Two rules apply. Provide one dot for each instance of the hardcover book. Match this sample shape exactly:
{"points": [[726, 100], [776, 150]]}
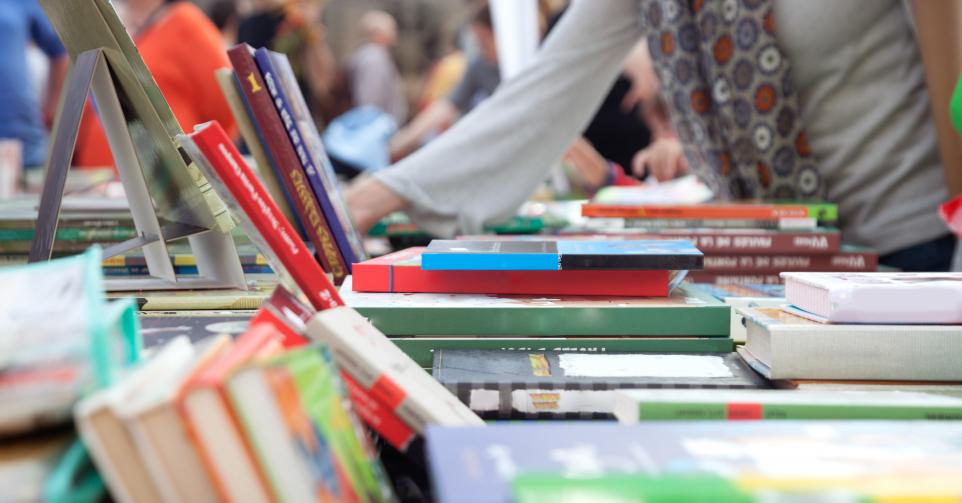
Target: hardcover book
{"points": [[422, 349], [514, 255], [391, 377], [823, 212], [477, 465], [509, 384], [250, 203], [879, 298], [335, 246], [849, 259], [401, 272], [730, 241], [281, 150], [632, 406], [781, 345], [688, 312]]}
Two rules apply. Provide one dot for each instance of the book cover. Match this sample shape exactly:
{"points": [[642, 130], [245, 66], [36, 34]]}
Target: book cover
{"points": [[823, 212], [325, 169], [319, 393], [632, 406], [477, 465], [879, 298], [279, 144], [253, 137], [205, 407], [781, 345], [849, 259], [401, 272], [515, 255], [334, 240], [687, 312], [392, 377], [266, 227], [576, 384], [422, 349]]}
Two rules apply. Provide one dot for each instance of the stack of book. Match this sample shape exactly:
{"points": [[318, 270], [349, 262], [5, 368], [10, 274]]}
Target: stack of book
{"points": [[540, 295], [860, 327], [744, 243]]}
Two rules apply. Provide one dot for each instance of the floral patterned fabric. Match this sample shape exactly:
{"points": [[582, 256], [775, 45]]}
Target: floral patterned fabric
{"points": [[731, 96]]}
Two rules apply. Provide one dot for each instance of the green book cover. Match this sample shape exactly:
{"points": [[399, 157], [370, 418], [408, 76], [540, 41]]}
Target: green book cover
{"points": [[321, 395], [421, 349], [537, 488], [700, 405], [688, 312], [74, 234]]}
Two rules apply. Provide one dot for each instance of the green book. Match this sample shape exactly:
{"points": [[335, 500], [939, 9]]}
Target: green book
{"points": [[421, 349], [622, 488], [632, 406], [688, 312], [74, 234]]}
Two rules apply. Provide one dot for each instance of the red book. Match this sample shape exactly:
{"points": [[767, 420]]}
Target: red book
{"points": [[205, 407], [379, 417], [733, 211], [265, 223], [845, 261], [728, 279], [282, 151], [287, 315], [401, 272]]}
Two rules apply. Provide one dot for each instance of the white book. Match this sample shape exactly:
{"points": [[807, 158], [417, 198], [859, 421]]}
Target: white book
{"points": [[103, 430], [161, 436], [781, 345], [372, 360], [878, 298]]}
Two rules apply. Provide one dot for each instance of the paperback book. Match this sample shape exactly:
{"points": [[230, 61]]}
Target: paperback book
{"points": [[823, 212], [509, 384]]}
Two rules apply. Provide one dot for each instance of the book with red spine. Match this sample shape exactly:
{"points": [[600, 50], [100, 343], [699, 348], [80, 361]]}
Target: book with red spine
{"points": [[377, 415], [282, 151], [400, 272], [208, 415], [731, 241], [726, 279], [710, 211], [215, 154], [847, 260]]}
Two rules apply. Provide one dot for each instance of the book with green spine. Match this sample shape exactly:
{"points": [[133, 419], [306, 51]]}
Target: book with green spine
{"points": [[688, 312], [632, 406], [421, 349]]}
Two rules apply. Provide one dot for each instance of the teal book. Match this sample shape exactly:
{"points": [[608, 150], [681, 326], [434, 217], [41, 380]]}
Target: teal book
{"points": [[688, 312]]}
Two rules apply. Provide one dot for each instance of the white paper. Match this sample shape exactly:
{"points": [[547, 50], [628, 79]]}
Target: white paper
{"points": [[641, 365]]}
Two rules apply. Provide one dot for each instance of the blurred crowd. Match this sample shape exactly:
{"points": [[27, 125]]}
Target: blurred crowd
{"points": [[383, 77]]}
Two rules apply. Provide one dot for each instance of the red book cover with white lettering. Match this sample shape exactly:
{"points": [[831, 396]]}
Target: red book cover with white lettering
{"points": [[214, 152]]}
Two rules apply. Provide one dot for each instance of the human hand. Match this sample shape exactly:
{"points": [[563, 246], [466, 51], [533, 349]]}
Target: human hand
{"points": [[368, 201], [640, 70], [590, 165], [663, 159]]}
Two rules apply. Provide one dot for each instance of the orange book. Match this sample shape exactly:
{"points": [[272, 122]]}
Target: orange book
{"points": [[207, 412], [722, 211]]}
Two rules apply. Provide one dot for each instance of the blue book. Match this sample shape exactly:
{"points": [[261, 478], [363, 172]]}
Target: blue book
{"points": [[526, 255], [275, 86], [478, 465]]}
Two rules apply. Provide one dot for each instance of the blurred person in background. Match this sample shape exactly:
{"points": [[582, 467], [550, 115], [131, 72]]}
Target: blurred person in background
{"points": [[182, 49], [372, 72], [226, 17], [293, 28], [24, 116]]}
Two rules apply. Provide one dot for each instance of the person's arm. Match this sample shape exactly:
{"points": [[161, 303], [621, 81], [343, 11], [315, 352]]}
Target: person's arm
{"points": [[484, 167], [939, 31], [55, 81], [441, 114], [43, 34]]}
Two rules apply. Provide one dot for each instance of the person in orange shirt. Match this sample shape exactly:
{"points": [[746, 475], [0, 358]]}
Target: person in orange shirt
{"points": [[182, 49]]}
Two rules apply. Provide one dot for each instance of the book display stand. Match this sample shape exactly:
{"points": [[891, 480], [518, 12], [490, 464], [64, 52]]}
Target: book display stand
{"points": [[169, 199]]}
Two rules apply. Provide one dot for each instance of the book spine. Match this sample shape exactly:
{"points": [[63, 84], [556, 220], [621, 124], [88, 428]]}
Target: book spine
{"points": [[754, 242], [279, 145], [700, 212], [329, 227], [841, 262], [379, 417], [256, 203], [490, 261], [74, 234], [760, 411], [733, 279], [322, 176]]}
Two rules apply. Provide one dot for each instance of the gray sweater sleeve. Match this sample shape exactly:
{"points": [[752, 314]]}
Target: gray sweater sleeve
{"points": [[482, 169]]}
